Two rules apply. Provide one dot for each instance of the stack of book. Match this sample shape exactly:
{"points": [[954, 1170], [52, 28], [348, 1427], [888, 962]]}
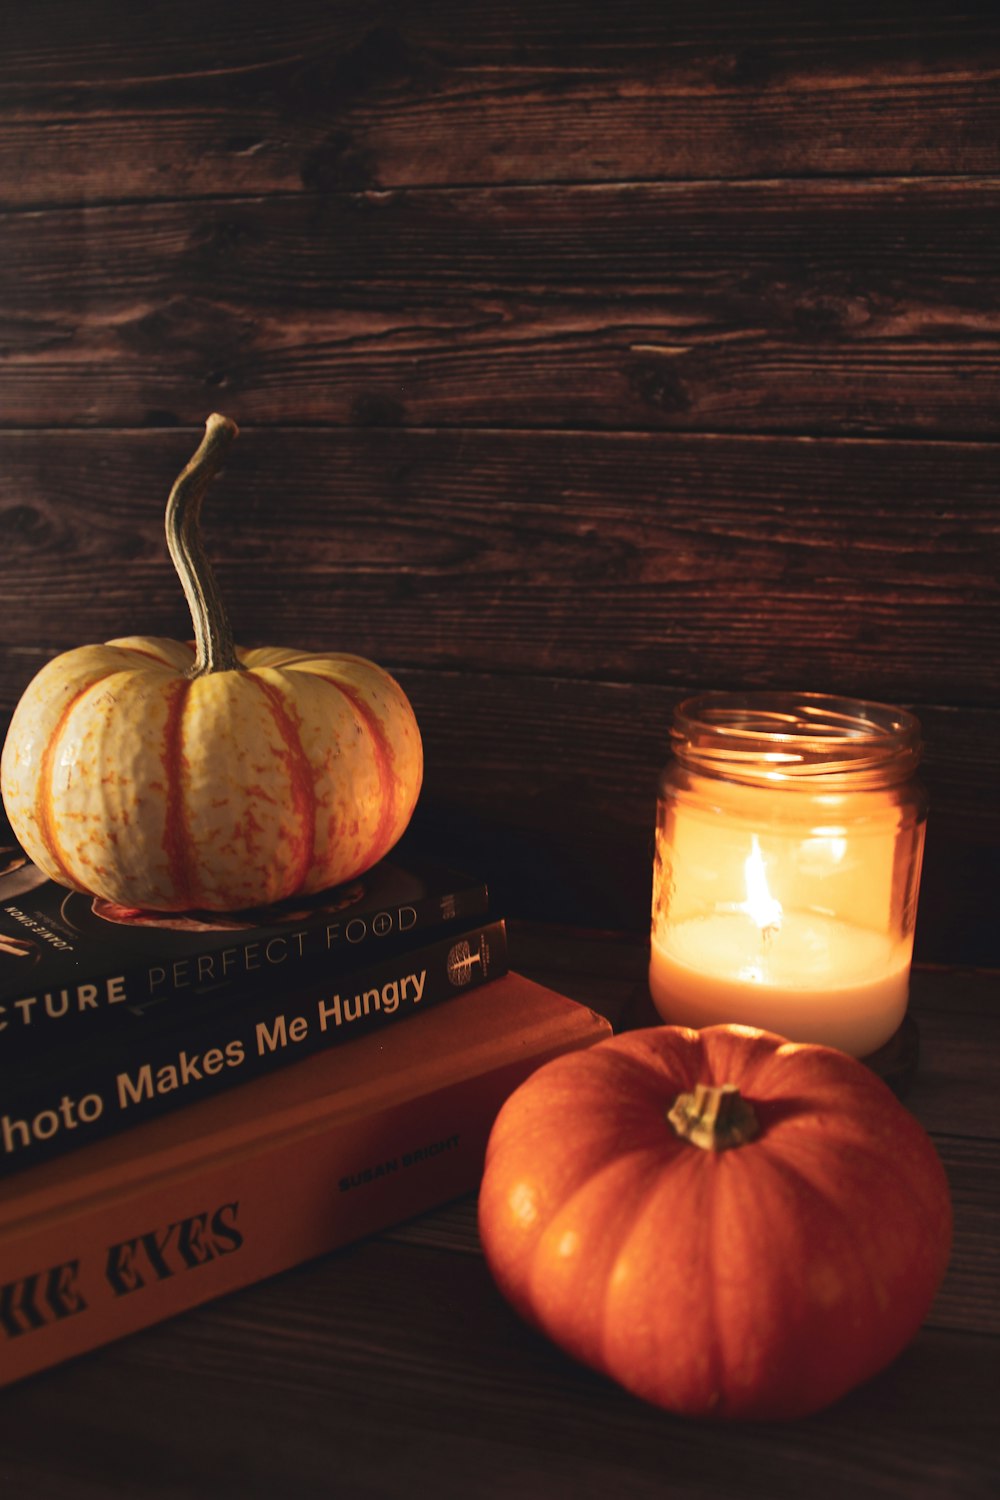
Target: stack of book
{"points": [[191, 1102]]}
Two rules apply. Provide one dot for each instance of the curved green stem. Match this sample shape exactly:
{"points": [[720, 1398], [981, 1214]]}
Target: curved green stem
{"points": [[213, 637], [714, 1117]]}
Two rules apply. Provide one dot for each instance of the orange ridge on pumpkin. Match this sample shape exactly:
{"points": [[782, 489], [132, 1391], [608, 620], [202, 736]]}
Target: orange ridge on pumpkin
{"points": [[300, 774], [382, 755], [43, 799], [245, 830], [177, 842]]}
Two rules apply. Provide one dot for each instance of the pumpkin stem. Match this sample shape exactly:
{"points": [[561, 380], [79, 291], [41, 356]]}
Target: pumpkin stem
{"points": [[213, 637], [714, 1117]]}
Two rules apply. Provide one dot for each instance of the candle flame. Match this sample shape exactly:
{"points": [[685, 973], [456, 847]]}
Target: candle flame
{"points": [[760, 904]]}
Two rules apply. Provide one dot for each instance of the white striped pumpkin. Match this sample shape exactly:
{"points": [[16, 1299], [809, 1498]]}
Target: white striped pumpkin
{"points": [[168, 776]]}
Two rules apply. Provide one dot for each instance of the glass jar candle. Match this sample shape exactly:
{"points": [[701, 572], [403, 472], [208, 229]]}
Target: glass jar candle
{"points": [[789, 840]]}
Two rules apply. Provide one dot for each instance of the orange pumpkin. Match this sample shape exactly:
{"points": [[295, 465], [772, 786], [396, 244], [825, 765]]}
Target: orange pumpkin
{"points": [[163, 775], [727, 1224]]}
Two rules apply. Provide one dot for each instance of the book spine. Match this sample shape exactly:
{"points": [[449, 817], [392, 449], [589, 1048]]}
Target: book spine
{"points": [[95, 1275], [67, 1101], [93, 1001]]}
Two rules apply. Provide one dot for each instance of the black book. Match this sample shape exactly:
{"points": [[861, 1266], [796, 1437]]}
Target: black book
{"points": [[65, 1097], [73, 965]]}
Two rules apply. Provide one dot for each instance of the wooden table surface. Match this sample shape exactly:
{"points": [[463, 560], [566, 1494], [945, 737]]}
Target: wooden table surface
{"points": [[394, 1367]]}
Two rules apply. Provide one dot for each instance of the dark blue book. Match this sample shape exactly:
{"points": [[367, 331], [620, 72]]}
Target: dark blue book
{"points": [[73, 966], [63, 1098]]}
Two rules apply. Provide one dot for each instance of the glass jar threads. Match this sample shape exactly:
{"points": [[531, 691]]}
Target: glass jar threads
{"points": [[789, 839]]}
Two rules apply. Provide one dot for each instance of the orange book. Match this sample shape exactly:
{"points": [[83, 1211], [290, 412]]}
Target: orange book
{"points": [[140, 1226]]}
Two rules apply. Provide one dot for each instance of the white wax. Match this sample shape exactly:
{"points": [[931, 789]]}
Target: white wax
{"points": [[815, 979]]}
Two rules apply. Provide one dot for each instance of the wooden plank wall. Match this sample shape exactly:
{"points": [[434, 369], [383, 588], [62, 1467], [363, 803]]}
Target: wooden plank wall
{"points": [[585, 356]]}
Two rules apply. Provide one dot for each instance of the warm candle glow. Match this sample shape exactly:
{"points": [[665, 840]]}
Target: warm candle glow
{"points": [[782, 900], [815, 979], [760, 904]]}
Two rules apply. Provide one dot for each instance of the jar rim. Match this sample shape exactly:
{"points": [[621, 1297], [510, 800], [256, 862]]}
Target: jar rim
{"points": [[796, 737]]}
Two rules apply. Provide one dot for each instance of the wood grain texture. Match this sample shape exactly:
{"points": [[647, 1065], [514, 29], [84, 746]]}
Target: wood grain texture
{"points": [[514, 302], [397, 1356], [547, 602], [868, 568], [404, 1337], [388, 1360], [810, 306], [267, 219], [389, 94]]}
